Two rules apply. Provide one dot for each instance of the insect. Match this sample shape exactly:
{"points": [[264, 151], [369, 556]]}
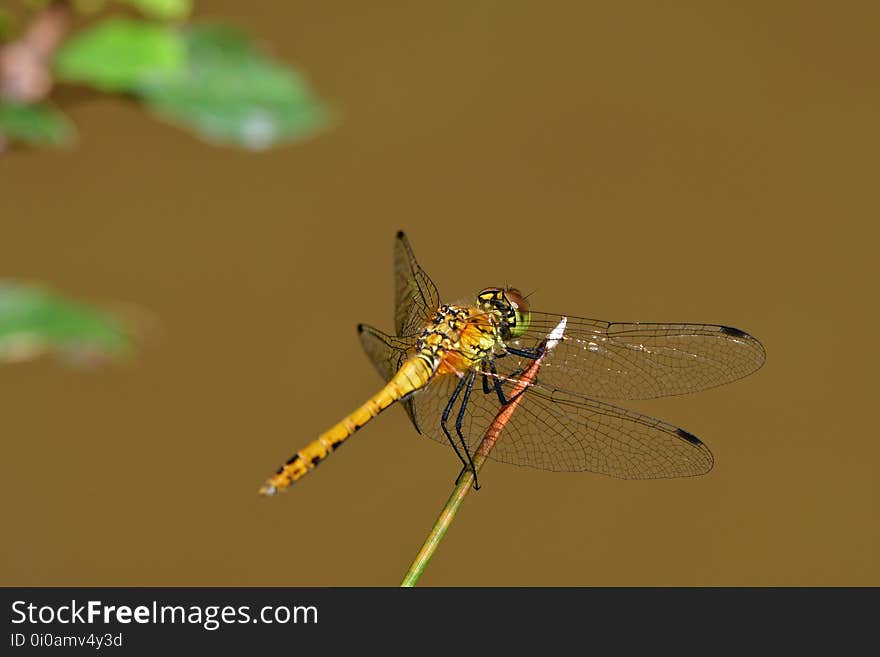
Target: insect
{"points": [[453, 367]]}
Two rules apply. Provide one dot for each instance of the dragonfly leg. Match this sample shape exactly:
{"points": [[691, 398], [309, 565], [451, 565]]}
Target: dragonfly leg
{"points": [[531, 354], [466, 468], [458, 422], [486, 388], [495, 386], [446, 412], [498, 389]]}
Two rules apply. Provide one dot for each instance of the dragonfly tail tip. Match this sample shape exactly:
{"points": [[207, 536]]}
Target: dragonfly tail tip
{"points": [[268, 490]]}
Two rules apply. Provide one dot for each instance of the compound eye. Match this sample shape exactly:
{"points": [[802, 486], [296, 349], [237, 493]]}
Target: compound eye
{"points": [[521, 312], [517, 299]]}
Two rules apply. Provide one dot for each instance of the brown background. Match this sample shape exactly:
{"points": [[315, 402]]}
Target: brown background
{"points": [[694, 162]]}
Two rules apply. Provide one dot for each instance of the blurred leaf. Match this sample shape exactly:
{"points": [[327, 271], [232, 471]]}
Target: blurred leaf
{"points": [[33, 321], [232, 93], [35, 124], [165, 9], [121, 54]]}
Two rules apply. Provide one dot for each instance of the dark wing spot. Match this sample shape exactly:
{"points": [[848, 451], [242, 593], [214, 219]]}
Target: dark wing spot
{"points": [[400, 235], [360, 328], [691, 438], [735, 332]]}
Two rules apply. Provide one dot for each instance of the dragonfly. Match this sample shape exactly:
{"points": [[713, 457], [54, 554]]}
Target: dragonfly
{"points": [[453, 367]]}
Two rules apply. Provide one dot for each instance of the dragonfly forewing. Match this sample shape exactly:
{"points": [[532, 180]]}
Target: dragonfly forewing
{"points": [[415, 295], [620, 360]]}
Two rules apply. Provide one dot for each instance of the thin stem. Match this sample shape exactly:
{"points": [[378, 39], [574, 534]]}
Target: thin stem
{"points": [[465, 482]]}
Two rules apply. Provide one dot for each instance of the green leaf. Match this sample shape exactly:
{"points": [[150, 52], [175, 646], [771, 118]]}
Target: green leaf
{"points": [[164, 9], [231, 93], [34, 320], [122, 54], [35, 124]]}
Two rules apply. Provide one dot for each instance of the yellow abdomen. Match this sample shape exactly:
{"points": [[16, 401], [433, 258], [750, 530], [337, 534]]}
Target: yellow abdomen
{"points": [[413, 375]]}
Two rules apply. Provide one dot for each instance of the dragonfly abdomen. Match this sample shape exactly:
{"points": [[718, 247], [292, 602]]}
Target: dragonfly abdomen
{"points": [[412, 375]]}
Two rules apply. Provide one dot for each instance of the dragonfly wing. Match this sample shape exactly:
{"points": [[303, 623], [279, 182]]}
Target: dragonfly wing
{"points": [[415, 296], [387, 353], [618, 360], [563, 431]]}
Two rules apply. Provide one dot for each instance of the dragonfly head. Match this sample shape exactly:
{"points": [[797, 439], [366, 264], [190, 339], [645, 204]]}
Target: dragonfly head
{"points": [[511, 305]]}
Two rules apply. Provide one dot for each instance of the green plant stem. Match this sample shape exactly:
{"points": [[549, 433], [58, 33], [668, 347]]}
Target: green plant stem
{"points": [[465, 482]]}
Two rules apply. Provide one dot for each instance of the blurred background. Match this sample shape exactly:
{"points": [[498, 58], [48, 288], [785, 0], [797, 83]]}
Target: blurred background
{"points": [[684, 162]]}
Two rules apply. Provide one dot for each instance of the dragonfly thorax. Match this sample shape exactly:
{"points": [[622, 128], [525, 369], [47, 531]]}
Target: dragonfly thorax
{"points": [[459, 338]]}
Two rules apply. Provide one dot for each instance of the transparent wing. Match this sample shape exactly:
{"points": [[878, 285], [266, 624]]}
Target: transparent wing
{"points": [[562, 431], [415, 295], [618, 360], [387, 353], [550, 429]]}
